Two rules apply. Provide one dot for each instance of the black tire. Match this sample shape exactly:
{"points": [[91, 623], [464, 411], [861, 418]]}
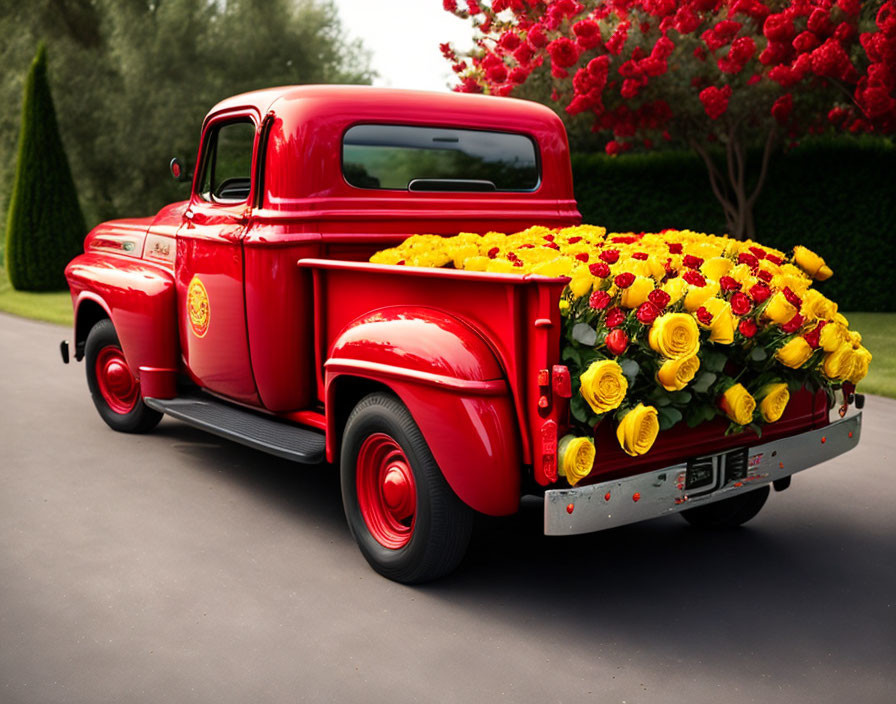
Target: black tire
{"points": [[728, 513], [441, 525], [139, 419]]}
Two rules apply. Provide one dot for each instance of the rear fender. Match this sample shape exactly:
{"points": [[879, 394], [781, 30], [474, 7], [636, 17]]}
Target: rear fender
{"points": [[139, 297], [454, 387]]}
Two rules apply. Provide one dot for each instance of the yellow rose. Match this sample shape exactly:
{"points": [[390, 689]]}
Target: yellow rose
{"points": [[674, 335], [575, 458], [476, 263], [855, 337], [461, 252], [773, 399], [832, 336], [817, 305], [387, 256], [698, 295], [779, 309], [559, 266], [862, 359], [580, 284], [637, 293], [795, 353], [716, 268], [721, 329], [676, 288], [840, 363], [638, 429], [811, 263], [738, 405], [604, 385], [501, 266], [675, 374]]}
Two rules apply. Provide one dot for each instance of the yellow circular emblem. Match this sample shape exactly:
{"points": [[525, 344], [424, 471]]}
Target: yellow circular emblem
{"points": [[197, 307]]}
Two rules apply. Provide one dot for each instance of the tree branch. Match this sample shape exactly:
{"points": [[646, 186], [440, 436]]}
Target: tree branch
{"points": [[763, 170], [715, 179]]}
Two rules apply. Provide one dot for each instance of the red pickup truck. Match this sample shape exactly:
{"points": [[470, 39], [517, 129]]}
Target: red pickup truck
{"points": [[251, 311]]}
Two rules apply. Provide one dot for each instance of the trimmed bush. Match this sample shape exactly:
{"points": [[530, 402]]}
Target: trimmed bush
{"points": [[834, 196], [44, 226]]}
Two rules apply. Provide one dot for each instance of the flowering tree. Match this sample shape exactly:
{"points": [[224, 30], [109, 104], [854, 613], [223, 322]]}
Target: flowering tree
{"points": [[697, 72]]}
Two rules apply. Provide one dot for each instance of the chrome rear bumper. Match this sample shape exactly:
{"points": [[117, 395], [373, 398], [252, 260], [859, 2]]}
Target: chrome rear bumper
{"points": [[617, 502]]}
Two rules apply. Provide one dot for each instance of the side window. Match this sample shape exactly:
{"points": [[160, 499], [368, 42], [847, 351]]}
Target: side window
{"points": [[227, 173]]}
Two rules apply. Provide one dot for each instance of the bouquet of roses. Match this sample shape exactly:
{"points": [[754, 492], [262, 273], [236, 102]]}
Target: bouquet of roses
{"points": [[669, 327]]}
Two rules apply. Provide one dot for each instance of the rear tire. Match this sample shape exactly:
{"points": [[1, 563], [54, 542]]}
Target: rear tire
{"points": [[113, 386], [728, 513], [409, 524]]}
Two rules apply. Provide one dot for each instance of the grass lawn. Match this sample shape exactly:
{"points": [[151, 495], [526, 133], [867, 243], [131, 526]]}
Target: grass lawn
{"points": [[879, 336], [54, 307], [878, 330]]}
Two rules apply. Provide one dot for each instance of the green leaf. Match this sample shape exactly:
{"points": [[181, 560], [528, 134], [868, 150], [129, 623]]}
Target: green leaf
{"points": [[572, 354], [668, 416], [630, 369], [681, 398], [758, 354], [579, 408], [713, 361], [703, 382], [585, 334]]}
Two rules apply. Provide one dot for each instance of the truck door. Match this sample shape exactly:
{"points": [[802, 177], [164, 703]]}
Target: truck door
{"points": [[209, 266]]}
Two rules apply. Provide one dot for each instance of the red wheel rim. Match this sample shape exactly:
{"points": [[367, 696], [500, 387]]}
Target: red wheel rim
{"points": [[387, 493], [119, 389]]}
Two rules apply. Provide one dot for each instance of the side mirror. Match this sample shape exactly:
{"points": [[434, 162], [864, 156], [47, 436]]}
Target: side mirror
{"points": [[178, 171]]}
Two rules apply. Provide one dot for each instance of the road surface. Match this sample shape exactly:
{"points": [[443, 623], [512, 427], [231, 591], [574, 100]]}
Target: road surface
{"points": [[176, 567]]}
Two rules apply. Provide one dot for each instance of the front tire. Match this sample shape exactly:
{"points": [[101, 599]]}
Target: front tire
{"points": [[409, 524], [728, 513], [113, 386]]}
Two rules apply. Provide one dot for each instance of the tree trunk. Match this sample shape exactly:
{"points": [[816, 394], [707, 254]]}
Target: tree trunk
{"points": [[730, 186]]}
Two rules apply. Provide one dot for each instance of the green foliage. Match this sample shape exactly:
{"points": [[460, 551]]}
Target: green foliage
{"points": [[832, 196], [133, 80], [44, 227]]}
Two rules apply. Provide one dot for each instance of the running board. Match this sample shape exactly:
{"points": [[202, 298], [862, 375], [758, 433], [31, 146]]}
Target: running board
{"points": [[263, 433]]}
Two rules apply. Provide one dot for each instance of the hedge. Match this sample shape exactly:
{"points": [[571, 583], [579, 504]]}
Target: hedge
{"points": [[44, 226], [837, 197]]}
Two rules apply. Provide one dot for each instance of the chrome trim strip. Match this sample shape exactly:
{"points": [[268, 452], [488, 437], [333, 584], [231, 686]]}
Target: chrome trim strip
{"points": [[661, 492]]}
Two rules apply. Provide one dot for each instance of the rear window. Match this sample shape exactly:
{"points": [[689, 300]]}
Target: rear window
{"points": [[434, 159]]}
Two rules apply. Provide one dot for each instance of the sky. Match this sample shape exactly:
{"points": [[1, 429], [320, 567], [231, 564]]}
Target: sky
{"points": [[404, 38]]}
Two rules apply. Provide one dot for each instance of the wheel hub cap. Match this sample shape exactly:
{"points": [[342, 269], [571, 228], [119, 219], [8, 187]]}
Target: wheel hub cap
{"points": [[118, 387], [387, 493]]}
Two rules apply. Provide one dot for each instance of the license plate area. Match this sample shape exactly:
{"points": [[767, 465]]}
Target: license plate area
{"points": [[710, 472]]}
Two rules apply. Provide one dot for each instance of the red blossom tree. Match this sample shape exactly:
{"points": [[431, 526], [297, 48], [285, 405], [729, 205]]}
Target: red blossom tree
{"points": [[697, 72]]}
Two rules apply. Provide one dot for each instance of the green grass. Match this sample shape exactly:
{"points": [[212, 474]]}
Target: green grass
{"points": [[879, 336], [53, 307]]}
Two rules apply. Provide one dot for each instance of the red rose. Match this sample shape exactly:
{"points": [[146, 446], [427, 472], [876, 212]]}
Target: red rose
{"points": [[773, 259], [610, 256], [691, 261], [729, 284], [740, 304], [704, 316], [640, 255], [617, 341], [582, 256], [599, 300], [624, 280], [674, 247], [573, 240], [599, 269], [792, 298], [615, 317], [748, 259], [760, 293], [548, 237], [659, 298], [758, 252], [764, 275], [794, 324], [552, 245], [694, 278], [493, 252], [747, 327], [647, 313]]}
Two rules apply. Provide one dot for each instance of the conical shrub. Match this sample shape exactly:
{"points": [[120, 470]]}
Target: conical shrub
{"points": [[44, 225]]}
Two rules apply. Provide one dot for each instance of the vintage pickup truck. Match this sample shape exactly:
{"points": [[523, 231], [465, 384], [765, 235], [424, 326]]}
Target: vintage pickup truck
{"points": [[251, 311]]}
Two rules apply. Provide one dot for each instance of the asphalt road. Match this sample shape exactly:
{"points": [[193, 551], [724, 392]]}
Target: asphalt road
{"points": [[175, 567]]}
